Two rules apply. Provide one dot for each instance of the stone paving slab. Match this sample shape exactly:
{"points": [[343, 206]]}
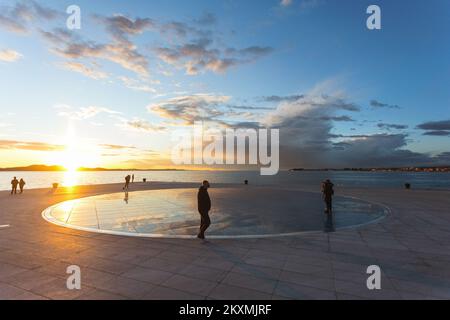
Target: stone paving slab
{"points": [[411, 246]]}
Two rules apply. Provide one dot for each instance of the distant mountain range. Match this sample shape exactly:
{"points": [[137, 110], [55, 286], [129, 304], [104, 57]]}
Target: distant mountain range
{"points": [[41, 167]]}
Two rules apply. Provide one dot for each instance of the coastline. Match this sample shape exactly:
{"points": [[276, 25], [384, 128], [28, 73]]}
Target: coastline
{"points": [[395, 180]]}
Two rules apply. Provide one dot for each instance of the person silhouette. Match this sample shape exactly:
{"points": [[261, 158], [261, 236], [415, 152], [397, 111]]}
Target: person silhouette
{"points": [[327, 193], [127, 182], [132, 178], [21, 185], [14, 183], [204, 205]]}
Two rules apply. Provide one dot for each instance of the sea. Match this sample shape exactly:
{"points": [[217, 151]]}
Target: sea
{"points": [[418, 180]]}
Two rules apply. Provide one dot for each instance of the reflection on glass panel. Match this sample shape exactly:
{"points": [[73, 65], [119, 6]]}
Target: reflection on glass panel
{"points": [[235, 212]]}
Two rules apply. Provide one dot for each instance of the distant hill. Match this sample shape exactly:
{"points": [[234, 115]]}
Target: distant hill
{"points": [[41, 167], [36, 167]]}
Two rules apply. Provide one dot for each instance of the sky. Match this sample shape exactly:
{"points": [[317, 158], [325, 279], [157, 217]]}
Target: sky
{"points": [[112, 93]]}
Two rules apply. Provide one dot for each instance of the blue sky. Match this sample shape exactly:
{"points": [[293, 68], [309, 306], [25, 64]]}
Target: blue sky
{"points": [[138, 69]]}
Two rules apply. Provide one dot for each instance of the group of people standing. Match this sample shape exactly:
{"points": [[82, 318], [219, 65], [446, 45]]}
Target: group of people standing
{"points": [[17, 183]]}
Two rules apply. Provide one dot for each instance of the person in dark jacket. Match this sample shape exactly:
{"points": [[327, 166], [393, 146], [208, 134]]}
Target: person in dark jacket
{"points": [[327, 193], [204, 205], [14, 183]]}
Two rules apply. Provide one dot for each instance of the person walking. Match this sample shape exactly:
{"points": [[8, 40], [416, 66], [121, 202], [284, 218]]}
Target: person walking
{"points": [[327, 193], [204, 205], [22, 184], [14, 183], [132, 178], [127, 182]]}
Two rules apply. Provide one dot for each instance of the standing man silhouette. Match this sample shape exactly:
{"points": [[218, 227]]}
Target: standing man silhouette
{"points": [[14, 183], [327, 193], [204, 205], [127, 182]]}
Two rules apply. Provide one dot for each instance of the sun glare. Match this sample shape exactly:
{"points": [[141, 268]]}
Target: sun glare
{"points": [[76, 154], [70, 178]]}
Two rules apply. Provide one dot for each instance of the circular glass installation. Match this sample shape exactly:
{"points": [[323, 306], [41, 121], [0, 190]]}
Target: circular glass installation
{"points": [[236, 212]]}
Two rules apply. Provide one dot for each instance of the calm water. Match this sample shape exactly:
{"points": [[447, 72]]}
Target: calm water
{"points": [[363, 179]]}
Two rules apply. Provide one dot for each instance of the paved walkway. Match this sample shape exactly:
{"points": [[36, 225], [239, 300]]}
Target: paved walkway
{"points": [[411, 246]]}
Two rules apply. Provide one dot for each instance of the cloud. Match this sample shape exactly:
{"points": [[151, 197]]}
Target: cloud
{"points": [[389, 126], [115, 147], [120, 51], [379, 150], [302, 5], [307, 138], [286, 3], [337, 118], [435, 125], [138, 85], [277, 99], [439, 133], [305, 124], [200, 55], [33, 146], [435, 128], [197, 52], [121, 27], [443, 158], [213, 108], [91, 72], [12, 25], [177, 28], [18, 18], [8, 55], [378, 104], [83, 112], [188, 109], [42, 12], [249, 107], [198, 48], [141, 125], [298, 113]]}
